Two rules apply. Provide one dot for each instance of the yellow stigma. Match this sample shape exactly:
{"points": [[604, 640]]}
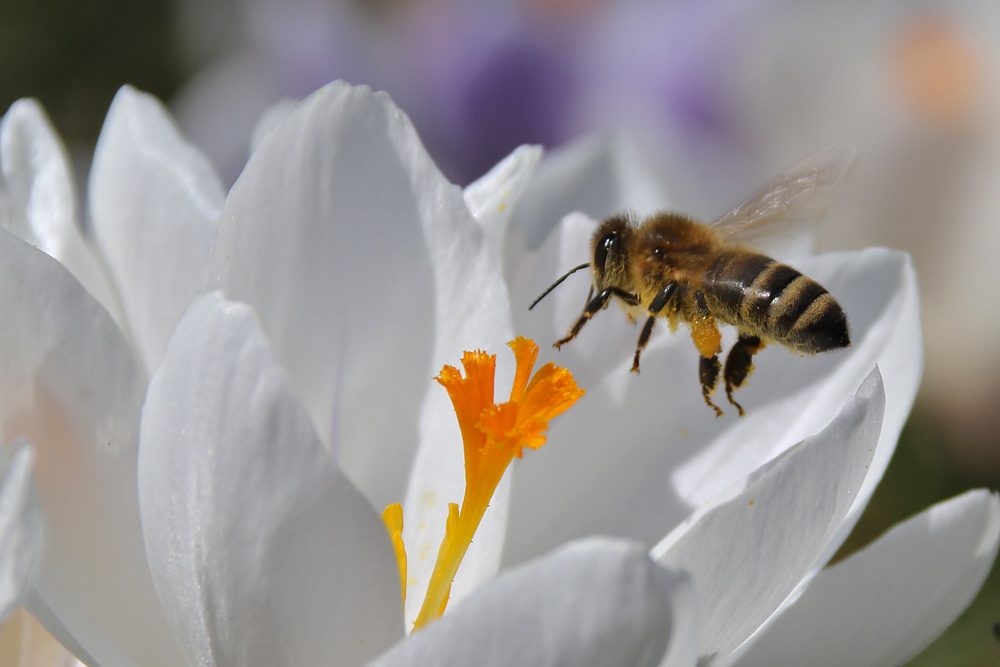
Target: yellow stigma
{"points": [[492, 436], [392, 517]]}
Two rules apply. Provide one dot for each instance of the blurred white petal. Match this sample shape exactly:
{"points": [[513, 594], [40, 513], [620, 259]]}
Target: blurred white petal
{"points": [[219, 107], [269, 119], [26, 643], [20, 524], [596, 175], [70, 386]]}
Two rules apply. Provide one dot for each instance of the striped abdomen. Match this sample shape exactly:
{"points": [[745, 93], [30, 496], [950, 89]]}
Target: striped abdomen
{"points": [[766, 298]]}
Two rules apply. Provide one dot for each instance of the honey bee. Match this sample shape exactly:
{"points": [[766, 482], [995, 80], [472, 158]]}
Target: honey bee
{"points": [[669, 266]]}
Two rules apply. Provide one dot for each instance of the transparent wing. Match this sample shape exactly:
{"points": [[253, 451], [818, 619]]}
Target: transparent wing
{"points": [[801, 193]]}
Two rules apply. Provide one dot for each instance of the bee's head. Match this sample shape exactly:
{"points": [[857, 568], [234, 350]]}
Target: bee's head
{"points": [[608, 257], [609, 252]]}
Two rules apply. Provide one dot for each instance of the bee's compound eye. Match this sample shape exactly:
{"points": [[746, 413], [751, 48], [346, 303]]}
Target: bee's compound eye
{"points": [[606, 244]]}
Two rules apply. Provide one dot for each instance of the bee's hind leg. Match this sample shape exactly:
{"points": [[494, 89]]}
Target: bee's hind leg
{"points": [[706, 337], [708, 373], [739, 364], [655, 306]]}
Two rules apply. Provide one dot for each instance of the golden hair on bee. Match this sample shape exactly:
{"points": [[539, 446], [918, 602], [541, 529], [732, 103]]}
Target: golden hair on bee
{"points": [[669, 266]]}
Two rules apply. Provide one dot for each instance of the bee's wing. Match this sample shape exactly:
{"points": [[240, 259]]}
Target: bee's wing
{"points": [[802, 192]]}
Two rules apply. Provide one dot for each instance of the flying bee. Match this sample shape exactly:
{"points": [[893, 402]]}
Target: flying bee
{"points": [[669, 266]]}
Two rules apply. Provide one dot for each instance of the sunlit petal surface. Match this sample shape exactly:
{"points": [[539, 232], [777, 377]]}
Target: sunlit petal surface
{"points": [[154, 202], [263, 553], [491, 199], [886, 602], [748, 553], [598, 602], [38, 198]]}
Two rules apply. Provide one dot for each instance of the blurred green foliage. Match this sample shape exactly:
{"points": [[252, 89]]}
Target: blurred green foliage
{"points": [[73, 56], [919, 475]]}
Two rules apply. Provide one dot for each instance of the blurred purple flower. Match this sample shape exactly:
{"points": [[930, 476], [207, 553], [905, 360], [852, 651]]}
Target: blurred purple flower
{"points": [[481, 79]]}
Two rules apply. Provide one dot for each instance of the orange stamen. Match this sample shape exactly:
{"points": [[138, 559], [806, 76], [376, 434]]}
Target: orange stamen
{"points": [[492, 436]]}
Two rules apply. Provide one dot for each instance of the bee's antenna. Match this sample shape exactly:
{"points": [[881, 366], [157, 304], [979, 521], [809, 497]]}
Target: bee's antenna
{"points": [[557, 283]]}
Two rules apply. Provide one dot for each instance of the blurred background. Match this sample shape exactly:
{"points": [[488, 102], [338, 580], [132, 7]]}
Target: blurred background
{"points": [[719, 94]]}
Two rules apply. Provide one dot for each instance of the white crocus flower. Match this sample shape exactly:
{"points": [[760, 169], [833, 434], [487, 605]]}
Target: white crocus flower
{"points": [[204, 521]]}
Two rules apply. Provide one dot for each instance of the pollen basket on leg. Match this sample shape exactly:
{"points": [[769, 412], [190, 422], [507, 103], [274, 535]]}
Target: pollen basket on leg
{"points": [[706, 336]]}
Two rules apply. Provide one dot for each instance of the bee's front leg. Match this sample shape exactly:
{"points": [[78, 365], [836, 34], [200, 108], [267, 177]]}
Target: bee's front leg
{"points": [[595, 305]]}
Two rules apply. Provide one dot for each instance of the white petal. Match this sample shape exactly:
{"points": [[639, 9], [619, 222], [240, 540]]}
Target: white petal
{"points": [[269, 119], [36, 178], [491, 198], [261, 550], [24, 642], [749, 553], [38, 198], [369, 274], [885, 603], [53, 626], [70, 386], [20, 524], [154, 203], [595, 175], [651, 432], [598, 602], [346, 240], [219, 106]]}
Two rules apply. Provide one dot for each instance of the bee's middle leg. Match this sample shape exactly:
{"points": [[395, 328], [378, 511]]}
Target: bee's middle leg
{"points": [[655, 306], [739, 363], [592, 307]]}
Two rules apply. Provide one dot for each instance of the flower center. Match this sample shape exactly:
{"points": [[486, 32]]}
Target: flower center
{"points": [[492, 436]]}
